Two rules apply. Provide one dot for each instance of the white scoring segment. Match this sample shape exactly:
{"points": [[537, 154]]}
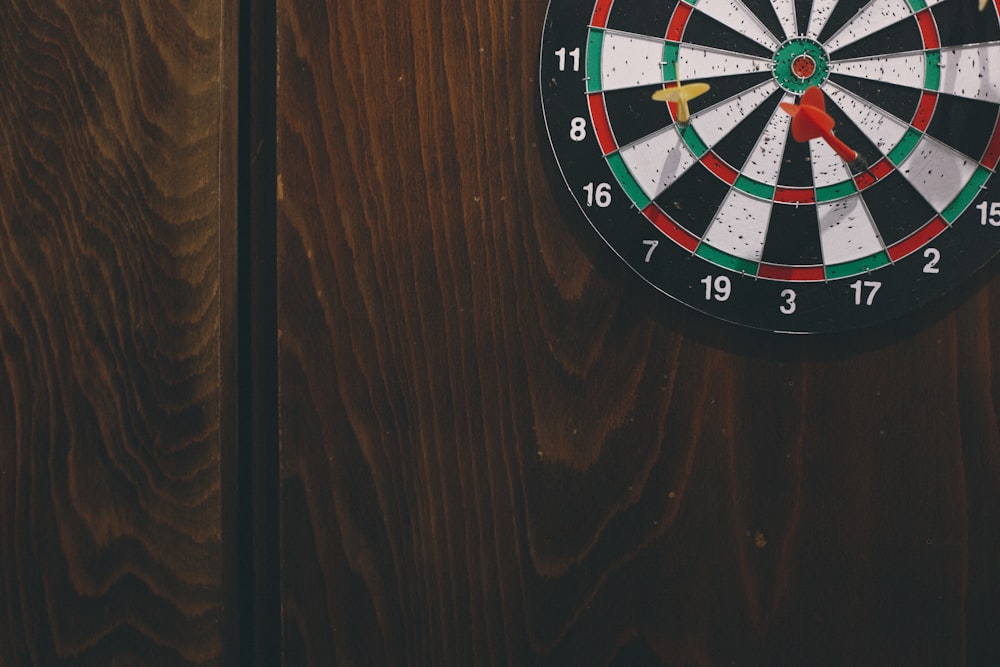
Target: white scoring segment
{"points": [[735, 15], [764, 163], [629, 60], [716, 122], [937, 171], [882, 129], [740, 226], [846, 230], [875, 16], [697, 63], [904, 70], [972, 71], [785, 11], [658, 160], [827, 167], [818, 17]]}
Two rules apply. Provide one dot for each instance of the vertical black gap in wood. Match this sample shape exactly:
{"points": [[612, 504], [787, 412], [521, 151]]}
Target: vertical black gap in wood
{"points": [[230, 209], [258, 535]]}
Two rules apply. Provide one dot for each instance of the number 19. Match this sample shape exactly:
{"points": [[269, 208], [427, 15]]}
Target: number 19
{"points": [[718, 288]]}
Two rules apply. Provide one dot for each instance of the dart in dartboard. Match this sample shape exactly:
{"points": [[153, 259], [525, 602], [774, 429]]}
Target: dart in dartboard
{"points": [[681, 95], [811, 121]]}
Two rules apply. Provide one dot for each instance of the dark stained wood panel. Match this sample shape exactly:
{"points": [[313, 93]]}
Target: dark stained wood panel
{"points": [[117, 196], [499, 447]]}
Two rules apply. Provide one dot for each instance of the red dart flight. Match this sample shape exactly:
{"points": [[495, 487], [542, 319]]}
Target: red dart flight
{"points": [[811, 121]]}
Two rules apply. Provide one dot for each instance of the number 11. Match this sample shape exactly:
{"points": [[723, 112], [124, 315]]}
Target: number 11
{"points": [[574, 54]]}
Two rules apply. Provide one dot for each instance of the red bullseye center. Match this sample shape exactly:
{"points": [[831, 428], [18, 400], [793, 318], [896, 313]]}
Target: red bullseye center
{"points": [[803, 66]]}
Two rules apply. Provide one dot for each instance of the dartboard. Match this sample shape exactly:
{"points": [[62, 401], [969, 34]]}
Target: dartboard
{"points": [[786, 165]]}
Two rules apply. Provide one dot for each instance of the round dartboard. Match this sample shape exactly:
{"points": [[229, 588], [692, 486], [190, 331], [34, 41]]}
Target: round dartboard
{"points": [[790, 165]]}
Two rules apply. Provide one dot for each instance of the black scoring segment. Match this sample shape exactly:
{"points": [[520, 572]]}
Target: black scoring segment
{"points": [[958, 122], [793, 236], [796, 166], [737, 146], [706, 31], [896, 207], [634, 114], [842, 12], [764, 11], [898, 101], [960, 22], [693, 199], [900, 37], [649, 19]]}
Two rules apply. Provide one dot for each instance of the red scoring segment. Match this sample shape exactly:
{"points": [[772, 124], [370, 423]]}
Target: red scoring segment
{"points": [[877, 171], [928, 29], [678, 21], [602, 127], [925, 111], [797, 273], [714, 164], [678, 234], [601, 11], [787, 195], [917, 240]]}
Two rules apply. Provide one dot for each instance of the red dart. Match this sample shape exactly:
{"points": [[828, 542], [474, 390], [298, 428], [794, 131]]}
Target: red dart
{"points": [[811, 121]]}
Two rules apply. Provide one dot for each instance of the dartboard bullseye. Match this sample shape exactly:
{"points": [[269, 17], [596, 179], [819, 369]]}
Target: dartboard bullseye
{"points": [[790, 165]]}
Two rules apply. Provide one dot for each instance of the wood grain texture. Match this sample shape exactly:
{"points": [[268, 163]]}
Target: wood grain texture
{"points": [[116, 189], [499, 447]]}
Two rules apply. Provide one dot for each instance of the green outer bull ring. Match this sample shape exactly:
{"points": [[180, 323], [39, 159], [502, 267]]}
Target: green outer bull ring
{"points": [[799, 63]]}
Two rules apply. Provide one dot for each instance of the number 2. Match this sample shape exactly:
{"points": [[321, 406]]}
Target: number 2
{"points": [[933, 256]]}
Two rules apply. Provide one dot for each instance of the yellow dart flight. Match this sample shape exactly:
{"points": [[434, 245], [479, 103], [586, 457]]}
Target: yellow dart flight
{"points": [[681, 95]]}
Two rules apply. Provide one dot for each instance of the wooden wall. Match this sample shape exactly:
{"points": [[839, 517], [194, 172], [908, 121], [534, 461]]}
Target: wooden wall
{"points": [[117, 195], [497, 446]]}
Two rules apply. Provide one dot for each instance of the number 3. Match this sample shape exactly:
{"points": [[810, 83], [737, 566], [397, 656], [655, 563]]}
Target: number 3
{"points": [[789, 306]]}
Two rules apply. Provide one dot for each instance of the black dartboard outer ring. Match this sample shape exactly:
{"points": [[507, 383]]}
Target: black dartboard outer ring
{"points": [[728, 214]]}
